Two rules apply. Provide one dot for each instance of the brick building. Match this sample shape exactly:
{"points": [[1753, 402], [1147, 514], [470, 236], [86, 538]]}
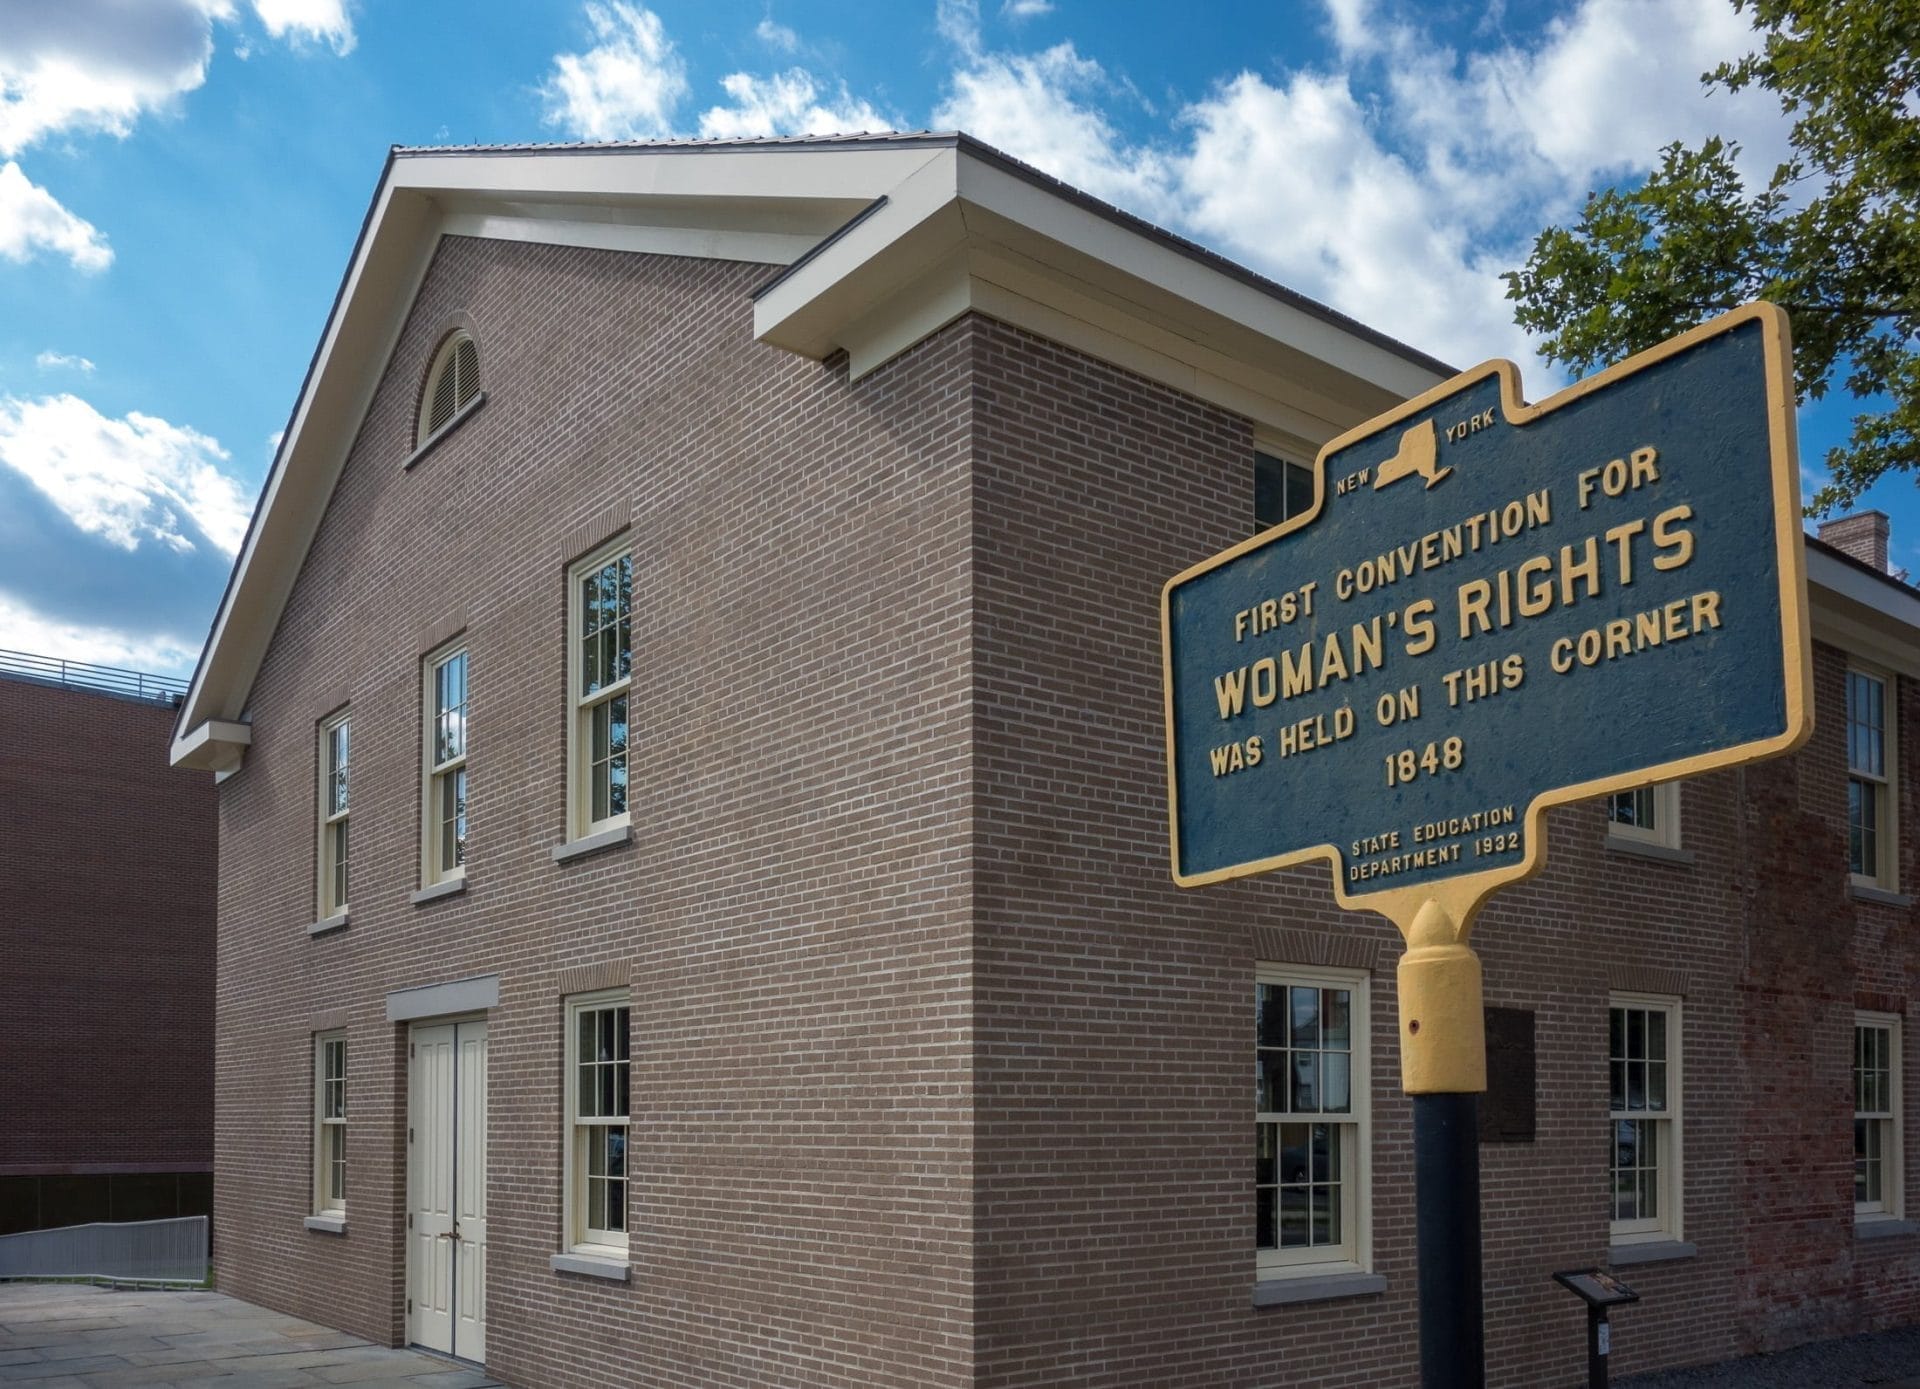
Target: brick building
{"points": [[106, 952], [694, 903]]}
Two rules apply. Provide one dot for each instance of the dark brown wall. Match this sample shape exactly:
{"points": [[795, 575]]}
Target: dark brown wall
{"points": [[107, 864], [938, 1079], [792, 915]]}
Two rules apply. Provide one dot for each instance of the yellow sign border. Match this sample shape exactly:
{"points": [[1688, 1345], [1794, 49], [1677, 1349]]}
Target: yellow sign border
{"points": [[1460, 897]]}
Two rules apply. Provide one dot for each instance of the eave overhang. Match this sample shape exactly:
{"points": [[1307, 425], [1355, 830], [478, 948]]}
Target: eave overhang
{"points": [[1874, 616], [881, 240]]}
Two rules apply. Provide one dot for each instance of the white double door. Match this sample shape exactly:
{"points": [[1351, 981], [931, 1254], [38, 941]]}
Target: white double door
{"points": [[447, 1188]]}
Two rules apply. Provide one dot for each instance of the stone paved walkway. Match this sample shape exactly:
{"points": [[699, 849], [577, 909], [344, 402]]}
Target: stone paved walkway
{"points": [[69, 1336]]}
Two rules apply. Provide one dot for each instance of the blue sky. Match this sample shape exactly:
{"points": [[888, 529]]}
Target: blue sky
{"points": [[181, 182]]}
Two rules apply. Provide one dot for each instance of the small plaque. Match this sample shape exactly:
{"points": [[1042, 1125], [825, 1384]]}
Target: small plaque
{"points": [[1596, 1287], [1506, 1110]]}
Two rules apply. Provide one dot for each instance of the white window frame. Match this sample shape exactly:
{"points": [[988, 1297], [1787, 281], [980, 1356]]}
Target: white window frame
{"points": [[331, 901], [442, 364], [1669, 1221], [581, 821], [580, 1237], [1886, 866], [436, 773], [1889, 1120], [1663, 802], [1354, 1253], [325, 1202]]}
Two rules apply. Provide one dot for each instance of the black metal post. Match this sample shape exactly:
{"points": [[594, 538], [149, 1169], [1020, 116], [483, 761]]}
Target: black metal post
{"points": [[1597, 1347], [1446, 1174]]}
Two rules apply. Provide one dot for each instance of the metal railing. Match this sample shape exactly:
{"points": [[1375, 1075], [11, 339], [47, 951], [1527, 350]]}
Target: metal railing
{"points": [[139, 1251], [85, 675]]}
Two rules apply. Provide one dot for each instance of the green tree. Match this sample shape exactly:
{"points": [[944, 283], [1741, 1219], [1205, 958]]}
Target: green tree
{"points": [[1834, 236]]}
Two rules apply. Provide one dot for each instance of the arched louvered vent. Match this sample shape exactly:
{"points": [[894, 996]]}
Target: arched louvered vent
{"points": [[454, 382]]}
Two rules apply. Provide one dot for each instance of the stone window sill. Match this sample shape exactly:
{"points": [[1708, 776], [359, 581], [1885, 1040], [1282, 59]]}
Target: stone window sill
{"points": [[1658, 1251], [591, 1266], [592, 843], [432, 441], [1883, 1227], [333, 1223], [1277, 1292], [1867, 892], [336, 922], [452, 887], [1642, 848]]}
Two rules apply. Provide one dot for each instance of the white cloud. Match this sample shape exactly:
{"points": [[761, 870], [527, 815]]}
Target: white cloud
{"points": [[96, 65], [125, 480], [1397, 186], [323, 21], [49, 360], [787, 103], [32, 220], [1026, 9], [777, 36], [626, 87], [1291, 180], [1042, 108], [23, 628]]}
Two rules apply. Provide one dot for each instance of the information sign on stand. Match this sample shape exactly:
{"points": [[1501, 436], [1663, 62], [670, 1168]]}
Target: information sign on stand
{"points": [[1491, 608]]}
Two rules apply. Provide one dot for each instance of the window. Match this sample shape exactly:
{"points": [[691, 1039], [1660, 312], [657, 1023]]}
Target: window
{"points": [[1646, 814], [600, 671], [597, 1078], [445, 798], [452, 383], [1311, 1127], [1871, 833], [1643, 1128], [335, 747], [330, 1123], [1877, 1188], [1281, 490]]}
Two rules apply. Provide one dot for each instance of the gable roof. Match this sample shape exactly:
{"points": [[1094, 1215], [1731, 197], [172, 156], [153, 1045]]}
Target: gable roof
{"points": [[883, 239]]}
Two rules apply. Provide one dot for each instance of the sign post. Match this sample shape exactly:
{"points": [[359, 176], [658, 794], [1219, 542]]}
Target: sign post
{"points": [[1491, 608]]}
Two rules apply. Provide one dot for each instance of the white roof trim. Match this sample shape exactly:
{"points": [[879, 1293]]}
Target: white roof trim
{"points": [[887, 238]]}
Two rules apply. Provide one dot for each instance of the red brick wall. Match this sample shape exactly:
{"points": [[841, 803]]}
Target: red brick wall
{"points": [[107, 945], [793, 913]]}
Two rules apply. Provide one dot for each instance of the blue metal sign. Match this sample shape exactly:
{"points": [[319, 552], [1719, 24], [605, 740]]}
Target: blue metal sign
{"points": [[1492, 608]]}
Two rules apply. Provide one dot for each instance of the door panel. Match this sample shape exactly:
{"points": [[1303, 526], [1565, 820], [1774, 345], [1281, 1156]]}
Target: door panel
{"points": [[470, 1188], [430, 1199]]}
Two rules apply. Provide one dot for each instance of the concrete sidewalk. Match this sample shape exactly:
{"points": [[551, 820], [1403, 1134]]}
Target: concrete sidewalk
{"points": [[66, 1336], [1881, 1359]]}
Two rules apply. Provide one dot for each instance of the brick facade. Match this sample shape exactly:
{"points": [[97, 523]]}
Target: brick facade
{"points": [[938, 1080], [106, 963]]}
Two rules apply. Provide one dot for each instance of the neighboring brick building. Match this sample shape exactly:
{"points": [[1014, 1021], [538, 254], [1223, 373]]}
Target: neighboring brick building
{"points": [[106, 952], [845, 473]]}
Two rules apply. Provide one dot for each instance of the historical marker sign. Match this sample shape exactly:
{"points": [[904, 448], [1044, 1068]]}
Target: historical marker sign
{"points": [[1493, 608]]}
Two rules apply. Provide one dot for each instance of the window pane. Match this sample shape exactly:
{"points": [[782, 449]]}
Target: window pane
{"points": [[1336, 1083], [1265, 1155], [1270, 1083], [621, 1019], [1306, 1082], [1616, 1086], [1335, 1020], [1264, 1211], [1326, 1216], [1306, 1017], [1270, 1015]]}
